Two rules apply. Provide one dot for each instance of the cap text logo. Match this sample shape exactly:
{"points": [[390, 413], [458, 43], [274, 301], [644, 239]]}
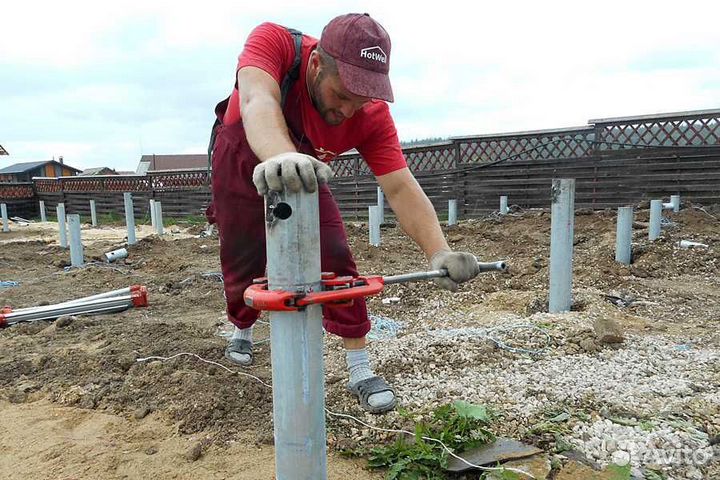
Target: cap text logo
{"points": [[374, 53]]}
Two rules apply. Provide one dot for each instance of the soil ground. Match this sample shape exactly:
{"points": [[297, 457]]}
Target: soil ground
{"points": [[75, 402]]}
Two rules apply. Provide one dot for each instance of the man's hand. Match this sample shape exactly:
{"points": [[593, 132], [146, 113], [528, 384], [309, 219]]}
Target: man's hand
{"points": [[461, 267], [291, 171]]}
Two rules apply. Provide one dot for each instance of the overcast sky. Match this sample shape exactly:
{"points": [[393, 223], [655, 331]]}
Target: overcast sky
{"points": [[102, 83]]}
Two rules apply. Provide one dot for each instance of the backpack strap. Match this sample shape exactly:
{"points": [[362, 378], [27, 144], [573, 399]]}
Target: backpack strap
{"points": [[290, 77]]}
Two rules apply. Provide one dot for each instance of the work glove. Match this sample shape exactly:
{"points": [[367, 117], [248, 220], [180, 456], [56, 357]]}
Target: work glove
{"points": [[290, 171], [461, 267]]}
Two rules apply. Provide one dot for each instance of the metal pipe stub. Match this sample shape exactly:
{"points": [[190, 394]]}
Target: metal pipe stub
{"points": [[292, 239]]}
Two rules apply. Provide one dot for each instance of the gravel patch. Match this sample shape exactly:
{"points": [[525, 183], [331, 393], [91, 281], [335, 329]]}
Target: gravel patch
{"points": [[662, 447], [645, 375], [663, 390]]}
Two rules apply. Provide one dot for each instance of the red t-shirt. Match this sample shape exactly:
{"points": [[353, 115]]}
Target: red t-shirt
{"points": [[371, 130]]}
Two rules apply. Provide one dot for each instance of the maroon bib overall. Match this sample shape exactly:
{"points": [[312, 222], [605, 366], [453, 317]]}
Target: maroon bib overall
{"points": [[239, 213]]}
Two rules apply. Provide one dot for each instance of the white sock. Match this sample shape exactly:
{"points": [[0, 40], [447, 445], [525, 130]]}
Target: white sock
{"points": [[358, 363], [243, 334]]}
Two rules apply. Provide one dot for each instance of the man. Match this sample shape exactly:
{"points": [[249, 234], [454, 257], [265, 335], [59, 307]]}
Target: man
{"points": [[297, 104]]}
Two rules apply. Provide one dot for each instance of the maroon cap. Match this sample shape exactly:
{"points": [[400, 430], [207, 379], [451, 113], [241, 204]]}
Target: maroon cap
{"points": [[361, 48]]}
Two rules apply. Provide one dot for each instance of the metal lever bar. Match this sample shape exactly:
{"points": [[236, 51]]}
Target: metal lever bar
{"points": [[500, 266]]}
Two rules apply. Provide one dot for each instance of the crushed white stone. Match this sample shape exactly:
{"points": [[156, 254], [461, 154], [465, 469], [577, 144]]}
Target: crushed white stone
{"points": [[648, 376]]}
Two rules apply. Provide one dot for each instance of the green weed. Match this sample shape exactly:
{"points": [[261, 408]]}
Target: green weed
{"points": [[618, 472], [460, 426]]}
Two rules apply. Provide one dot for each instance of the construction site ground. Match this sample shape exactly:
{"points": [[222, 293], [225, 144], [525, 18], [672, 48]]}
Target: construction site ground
{"points": [[80, 400]]}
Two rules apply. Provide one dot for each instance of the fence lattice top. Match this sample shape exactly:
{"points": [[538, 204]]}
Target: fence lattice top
{"points": [[692, 129], [16, 190], [155, 181], [688, 131]]}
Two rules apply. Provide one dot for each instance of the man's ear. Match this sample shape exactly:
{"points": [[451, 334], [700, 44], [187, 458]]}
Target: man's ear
{"points": [[314, 61]]}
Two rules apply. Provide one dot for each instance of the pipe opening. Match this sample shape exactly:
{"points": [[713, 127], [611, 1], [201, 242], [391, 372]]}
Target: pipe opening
{"points": [[282, 210]]}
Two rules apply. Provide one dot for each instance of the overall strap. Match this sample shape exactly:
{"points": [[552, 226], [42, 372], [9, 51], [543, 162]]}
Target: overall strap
{"points": [[294, 72], [219, 111]]}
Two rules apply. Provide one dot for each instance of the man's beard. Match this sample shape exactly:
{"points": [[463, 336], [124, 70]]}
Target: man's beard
{"points": [[329, 115]]}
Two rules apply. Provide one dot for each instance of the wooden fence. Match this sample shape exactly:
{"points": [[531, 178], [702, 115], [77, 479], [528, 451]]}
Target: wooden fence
{"points": [[617, 161], [182, 193]]}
